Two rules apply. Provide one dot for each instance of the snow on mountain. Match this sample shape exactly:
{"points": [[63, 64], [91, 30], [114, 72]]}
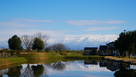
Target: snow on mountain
{"points": [[78, 43], [75, 42]]}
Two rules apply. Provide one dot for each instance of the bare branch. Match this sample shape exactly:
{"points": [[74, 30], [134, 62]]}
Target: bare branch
{"points": [[58, 47], [27, 41], [43, 37]]}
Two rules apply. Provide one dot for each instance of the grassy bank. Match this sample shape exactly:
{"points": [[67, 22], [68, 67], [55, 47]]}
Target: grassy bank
{"points": [[34, 57], [42, 57], [125, 59], [11, 61]]}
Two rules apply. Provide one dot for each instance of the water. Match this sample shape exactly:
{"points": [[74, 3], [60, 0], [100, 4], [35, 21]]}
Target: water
{"points": [[78, 68]]}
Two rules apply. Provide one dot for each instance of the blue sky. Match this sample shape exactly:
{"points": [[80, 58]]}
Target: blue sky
{"points": [[61, 18]]}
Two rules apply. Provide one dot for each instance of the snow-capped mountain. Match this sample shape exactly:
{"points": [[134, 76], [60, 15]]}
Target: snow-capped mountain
{"points": [[78, 43]]}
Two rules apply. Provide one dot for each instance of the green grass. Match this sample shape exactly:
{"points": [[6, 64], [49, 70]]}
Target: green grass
{"points": [[52, 56], [11, 61]]}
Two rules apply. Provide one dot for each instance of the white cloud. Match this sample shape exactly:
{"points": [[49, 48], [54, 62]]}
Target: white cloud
{"points": [[93, 22], [8, 33], [18, 22], [100, 28]]}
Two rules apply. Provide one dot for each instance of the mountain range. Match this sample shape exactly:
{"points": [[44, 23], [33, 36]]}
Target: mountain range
{"points": [[75, 43], [78, 43]]}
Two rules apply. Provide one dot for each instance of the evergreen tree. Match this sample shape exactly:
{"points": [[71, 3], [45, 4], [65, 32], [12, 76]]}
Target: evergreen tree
{"points": [[15, 43], [126, 42], [38, 44]]}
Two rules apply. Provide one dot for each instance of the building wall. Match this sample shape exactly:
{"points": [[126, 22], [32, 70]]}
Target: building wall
{"points": [[87, 52]]}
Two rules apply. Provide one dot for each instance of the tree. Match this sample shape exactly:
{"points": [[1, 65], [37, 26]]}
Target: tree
{"points": [[27, 41], [15, 43], [43, 37], [38, 44], [120, 43], [126, 42], [58, 47], [47, 49]]}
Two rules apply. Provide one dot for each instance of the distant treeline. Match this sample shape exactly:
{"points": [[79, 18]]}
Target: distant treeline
{"points": [[36, 41]]}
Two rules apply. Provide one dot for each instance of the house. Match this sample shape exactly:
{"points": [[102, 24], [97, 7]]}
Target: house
{"points": [[112, 49], [90, 50], [108, 49], [103, 50], [111, 45]]}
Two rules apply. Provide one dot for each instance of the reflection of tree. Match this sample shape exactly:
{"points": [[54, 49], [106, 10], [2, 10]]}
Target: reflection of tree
{"points": [[57, 66], [14, 72], [38, 70], [1, 75], [123, 72], [27, 72]]}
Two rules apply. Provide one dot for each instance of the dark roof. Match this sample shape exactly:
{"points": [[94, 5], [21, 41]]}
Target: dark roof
{"points": [[111, 43], [90, 48], [103, 47]]}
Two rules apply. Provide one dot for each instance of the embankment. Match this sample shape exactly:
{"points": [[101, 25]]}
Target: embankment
{"points": [[34, 57], [125, 60], [10, 61]]}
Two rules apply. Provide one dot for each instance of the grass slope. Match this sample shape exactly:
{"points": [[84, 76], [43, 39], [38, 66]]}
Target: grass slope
{"points": [[11, 61]]}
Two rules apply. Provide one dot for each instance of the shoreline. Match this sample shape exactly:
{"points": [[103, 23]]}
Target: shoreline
{"points": [[125, 60], [12, 61], [43, 57]]}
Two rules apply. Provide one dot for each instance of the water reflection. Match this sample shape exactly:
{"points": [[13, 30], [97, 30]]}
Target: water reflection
{"points": [[34, 70], [38, 70], [14, 71], [57, 66], [125, 71], [27, 72], [78, 68], [112, 66]]}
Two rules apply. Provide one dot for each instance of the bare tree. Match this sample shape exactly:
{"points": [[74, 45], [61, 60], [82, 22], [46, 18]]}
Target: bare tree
{"points": [[58, 47], [43, 37], [47, 49], [67, 49], [27, 41]]}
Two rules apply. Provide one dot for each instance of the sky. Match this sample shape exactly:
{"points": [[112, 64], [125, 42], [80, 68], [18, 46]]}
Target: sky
{"points": [[62, 18]]}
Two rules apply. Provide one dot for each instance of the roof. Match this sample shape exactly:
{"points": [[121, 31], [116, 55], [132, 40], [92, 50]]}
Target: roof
{"points": [[90, 48], [110, 43], [103, 47]]}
